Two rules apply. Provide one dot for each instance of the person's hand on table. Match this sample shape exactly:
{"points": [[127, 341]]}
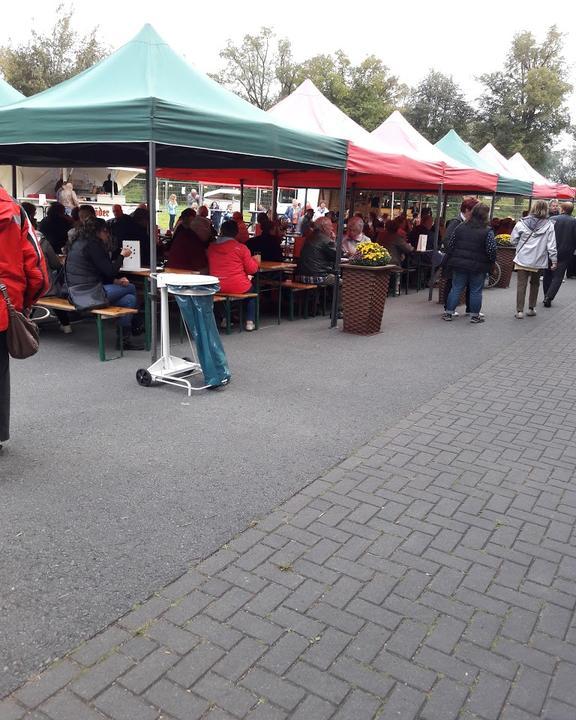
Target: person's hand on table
{"points": [[123, 281], [258, 259], [126, 252]]}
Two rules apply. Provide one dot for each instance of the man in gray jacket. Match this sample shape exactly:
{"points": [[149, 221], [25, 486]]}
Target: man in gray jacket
{"points": [[565, 232]]}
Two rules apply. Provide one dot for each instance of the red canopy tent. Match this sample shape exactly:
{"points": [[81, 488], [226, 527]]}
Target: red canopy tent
{"points": [[541, 184], [369, 164], [396, 132]]}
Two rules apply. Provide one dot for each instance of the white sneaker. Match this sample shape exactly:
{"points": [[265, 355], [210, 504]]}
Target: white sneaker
{"points": [[531, 312], [519, 315], [224, 324], [250, 325], [480, 314], [66, 329]]}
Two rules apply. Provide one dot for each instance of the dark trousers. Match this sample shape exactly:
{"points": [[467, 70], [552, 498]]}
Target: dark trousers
{"points": [[4, 389], [553, 279]]}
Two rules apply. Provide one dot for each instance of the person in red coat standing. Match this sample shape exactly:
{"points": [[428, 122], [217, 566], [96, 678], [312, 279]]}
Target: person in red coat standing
{"points": [[230, 261], [23, 271]]}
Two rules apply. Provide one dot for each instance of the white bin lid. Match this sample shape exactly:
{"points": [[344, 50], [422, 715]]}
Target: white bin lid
{"points": [[184, 279]]}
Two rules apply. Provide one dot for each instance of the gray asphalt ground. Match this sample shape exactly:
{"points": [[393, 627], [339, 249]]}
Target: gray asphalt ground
{"points": [[109, 490]]}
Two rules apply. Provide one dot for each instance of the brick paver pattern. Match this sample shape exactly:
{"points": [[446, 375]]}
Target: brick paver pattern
{"points": [[430, 575]]}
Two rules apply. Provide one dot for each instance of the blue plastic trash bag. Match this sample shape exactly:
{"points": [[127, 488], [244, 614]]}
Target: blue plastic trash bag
{"points": [[198, 312]]}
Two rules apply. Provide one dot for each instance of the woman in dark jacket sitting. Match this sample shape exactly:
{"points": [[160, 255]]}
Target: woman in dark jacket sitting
{"points": [[471, 251], [187, 251], [318, 255], [267, 243], [88, 261]]}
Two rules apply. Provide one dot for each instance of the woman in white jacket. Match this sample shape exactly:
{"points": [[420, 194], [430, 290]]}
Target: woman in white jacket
{"points": [[535, 243]]}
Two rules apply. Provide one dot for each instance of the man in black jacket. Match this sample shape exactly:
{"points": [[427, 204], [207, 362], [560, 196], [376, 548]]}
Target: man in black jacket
{"points": [[565, 231]]}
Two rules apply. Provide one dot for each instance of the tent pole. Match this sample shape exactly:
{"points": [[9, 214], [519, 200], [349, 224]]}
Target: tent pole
{"points": [[14, 182], [436, 236], [242, 197], [405, 207], [305, 198], [352, 200], [275, 196], [339, 236], [151, 187], [492, 206], [530, 203]]}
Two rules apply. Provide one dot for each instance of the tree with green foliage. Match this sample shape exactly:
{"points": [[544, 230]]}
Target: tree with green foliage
{"points": [[52, 57], [436, 105], [367, 92], [523, 107], [561, 165], [259, 69]]}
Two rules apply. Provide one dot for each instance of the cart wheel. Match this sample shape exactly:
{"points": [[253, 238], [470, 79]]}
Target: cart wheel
{"points": [[143, 377]]}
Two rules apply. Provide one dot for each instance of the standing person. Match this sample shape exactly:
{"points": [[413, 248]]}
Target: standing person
{"points": [[535, 244], [172, 210], [292, 214], [68, 197], [565, 234], [466, 208], [110, 186], [553, 208], [23, 271], [471, 251], [321, 211], [193, 198]]}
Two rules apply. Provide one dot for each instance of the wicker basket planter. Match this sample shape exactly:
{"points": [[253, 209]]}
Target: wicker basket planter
{"points": [[505, 258], [364, 291]]}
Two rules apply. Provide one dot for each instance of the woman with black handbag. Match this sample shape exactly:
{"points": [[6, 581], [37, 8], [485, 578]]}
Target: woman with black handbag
{"points": [[92, 277], [23, 272]]}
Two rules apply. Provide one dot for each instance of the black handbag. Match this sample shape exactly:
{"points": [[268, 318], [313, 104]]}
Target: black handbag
{"points": [[87, 296], [22, 336]]}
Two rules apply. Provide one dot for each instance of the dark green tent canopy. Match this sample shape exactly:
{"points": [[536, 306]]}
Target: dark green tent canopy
{"points": [[453, 145], [145, 92], [8, 94]]}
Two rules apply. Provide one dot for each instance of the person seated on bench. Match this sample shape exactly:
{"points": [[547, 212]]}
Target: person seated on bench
{"points": [[318, 255], [187, 250], [230, 261], [394, 240], [267, 244], [243, 235], [88, 261], [55, 226], [354, 236]]}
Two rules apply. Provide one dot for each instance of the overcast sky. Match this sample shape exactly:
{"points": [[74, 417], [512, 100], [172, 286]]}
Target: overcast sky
{"points": [[457, 38]]}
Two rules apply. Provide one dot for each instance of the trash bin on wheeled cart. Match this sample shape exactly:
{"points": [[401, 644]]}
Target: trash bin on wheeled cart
{"points": [[194, 295]]}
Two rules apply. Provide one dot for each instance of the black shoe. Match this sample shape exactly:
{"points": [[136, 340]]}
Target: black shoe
{"points": [[547, 303]]}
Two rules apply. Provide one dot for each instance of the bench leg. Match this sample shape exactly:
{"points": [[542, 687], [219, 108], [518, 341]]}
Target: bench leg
{"points": [[101, 345], [228, 309]]}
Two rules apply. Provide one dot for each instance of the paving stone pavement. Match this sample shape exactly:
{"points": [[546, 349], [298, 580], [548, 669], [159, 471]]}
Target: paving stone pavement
{"points": [[429, 576]]}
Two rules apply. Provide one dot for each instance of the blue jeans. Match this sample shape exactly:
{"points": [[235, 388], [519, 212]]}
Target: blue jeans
{"points": [[461, 278], [122, 296]]}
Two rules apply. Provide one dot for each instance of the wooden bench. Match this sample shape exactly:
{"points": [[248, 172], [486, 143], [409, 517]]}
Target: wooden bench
{"points": [[229, 298], [106, 313], [298, 287]]}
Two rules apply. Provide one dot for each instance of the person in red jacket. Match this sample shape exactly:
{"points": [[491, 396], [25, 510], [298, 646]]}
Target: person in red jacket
{"points": [[23, 271], [230, 261]]}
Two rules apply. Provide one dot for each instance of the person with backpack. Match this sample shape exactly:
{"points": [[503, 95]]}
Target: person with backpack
{"points": [[535, 243]]}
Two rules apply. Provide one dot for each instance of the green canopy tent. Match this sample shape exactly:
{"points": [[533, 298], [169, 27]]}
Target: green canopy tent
{"points": [[145, 105], [453, 145], [9, 95]]}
